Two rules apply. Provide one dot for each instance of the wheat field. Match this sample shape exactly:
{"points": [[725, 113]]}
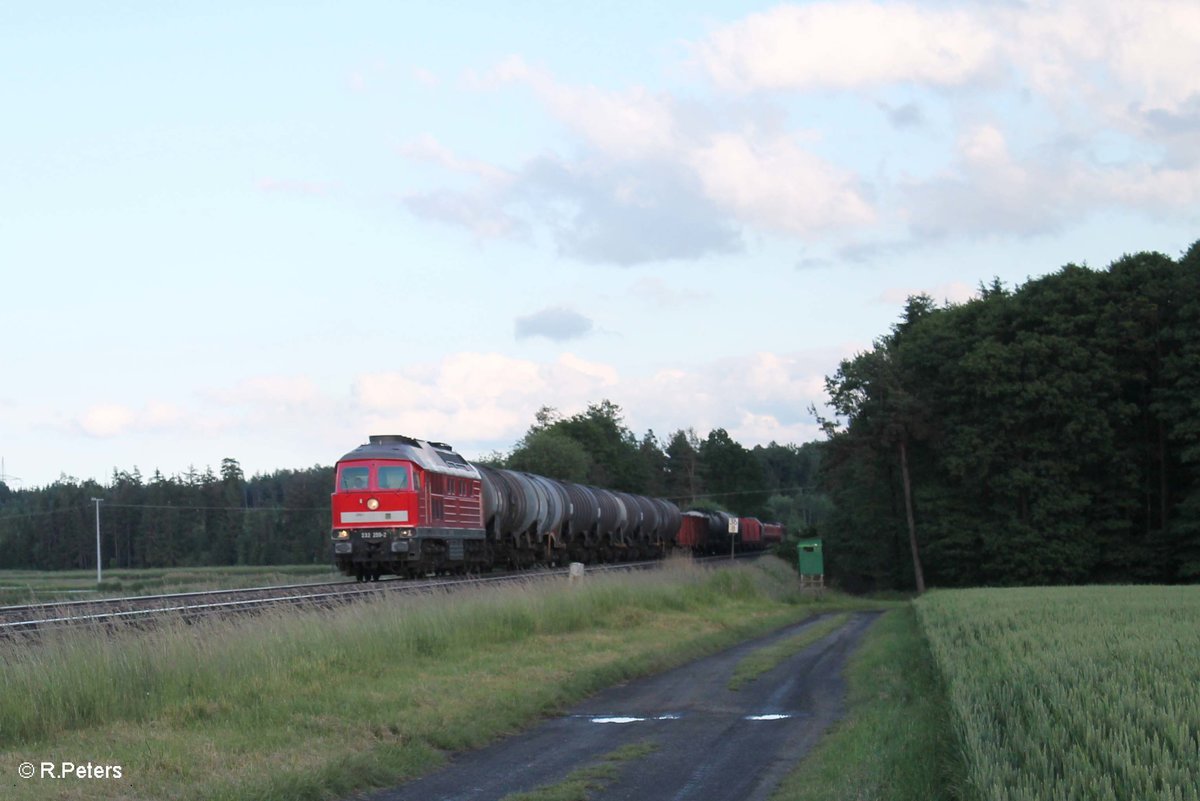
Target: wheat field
{"points": [[1072, 693]]}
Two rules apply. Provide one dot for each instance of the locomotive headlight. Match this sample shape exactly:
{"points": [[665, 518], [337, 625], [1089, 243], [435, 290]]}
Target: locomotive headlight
{"points": [[373, 504], [342, 535]]}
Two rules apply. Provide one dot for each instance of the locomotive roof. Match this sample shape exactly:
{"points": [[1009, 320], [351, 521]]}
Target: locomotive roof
{"points": [[437, 457]]}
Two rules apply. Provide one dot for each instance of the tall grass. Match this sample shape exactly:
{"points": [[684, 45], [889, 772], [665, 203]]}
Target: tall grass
{"points": [[312, 704], [69, 679], [1089, 692]]}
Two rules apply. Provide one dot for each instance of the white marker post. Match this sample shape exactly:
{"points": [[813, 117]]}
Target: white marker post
{"points": [[99, 574]]}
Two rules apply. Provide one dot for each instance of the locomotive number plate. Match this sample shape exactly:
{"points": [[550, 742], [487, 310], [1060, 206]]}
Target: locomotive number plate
{"points": [[398, 516]]}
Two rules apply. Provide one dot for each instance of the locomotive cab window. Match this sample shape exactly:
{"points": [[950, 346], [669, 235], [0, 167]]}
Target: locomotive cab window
{"points": [[355, 478], [394, 477]]}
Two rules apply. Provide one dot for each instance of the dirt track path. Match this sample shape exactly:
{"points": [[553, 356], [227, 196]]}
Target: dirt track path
{"points": [[713, 744]]}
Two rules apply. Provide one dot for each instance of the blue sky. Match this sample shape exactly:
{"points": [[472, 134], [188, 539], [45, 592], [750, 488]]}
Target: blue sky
{"points": [[268, 230]]}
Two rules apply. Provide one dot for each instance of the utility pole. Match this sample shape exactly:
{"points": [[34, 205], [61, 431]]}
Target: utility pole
{"points": [[99, 566], [5, 478]]}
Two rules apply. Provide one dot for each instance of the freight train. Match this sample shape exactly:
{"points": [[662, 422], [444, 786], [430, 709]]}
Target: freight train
{"points": [[409, 507]]}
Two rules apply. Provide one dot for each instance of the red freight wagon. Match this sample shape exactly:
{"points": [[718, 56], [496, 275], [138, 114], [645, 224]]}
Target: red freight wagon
{"points": [[772, 532], [693, 530], [751, 530]]}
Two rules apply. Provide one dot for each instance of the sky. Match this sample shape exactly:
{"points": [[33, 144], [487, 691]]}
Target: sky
{"points": [[267, 230]]}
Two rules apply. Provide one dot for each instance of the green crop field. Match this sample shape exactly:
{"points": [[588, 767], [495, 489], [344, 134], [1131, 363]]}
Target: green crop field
{"points": [[1072, 693]]}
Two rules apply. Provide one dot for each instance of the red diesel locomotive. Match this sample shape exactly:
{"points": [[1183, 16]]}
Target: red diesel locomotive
{"points": [[403, 505]]}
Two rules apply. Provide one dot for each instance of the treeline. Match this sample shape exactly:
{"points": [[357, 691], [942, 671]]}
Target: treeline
{"points": [[1043, 435], [225, 518], [178, 521], [774, 482]]}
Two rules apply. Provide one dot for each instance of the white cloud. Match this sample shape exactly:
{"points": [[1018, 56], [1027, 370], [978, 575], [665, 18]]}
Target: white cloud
{"points": [[849, 45], [630, 124], [429, 149], [763, 177], [485, 401], [258, 403], [1145, 54], [772, 182], [605, 374], [984, 144], [1119, 55], [657, 178], [990, 190], [766, 428], [107, 420], [1067, 108], [110, 420], [475, 397], [756, 398], [1098, 71], [158, 414], [476, 401]]}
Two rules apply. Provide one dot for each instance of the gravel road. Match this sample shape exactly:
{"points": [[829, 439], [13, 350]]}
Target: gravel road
{"points": [[713, 744]]}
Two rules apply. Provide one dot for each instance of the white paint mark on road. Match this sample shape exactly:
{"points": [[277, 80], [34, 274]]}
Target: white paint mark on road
{"points": [[766, 717], [623, 719]]}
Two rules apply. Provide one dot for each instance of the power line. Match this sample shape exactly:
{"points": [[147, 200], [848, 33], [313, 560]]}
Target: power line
{"points": [[218, 508], [769, 490], [191, 508], [26, 515], [66, 509]]}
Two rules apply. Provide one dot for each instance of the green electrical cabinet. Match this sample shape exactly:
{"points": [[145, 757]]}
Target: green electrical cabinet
{"points": [[812, 560]]}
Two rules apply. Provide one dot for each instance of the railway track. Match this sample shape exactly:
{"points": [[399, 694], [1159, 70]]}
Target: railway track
{"points": [[192, 605]]}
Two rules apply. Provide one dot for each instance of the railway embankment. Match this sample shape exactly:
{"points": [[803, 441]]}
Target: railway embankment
{"points": [[320, 703]]}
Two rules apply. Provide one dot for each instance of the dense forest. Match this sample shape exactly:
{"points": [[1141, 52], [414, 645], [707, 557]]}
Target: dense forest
{"points": [[225, 518], [199, 518], [1047, 434]]}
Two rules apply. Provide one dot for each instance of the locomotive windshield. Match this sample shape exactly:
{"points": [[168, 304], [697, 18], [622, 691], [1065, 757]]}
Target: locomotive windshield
{"points": [[355, 478], [393, 477]]}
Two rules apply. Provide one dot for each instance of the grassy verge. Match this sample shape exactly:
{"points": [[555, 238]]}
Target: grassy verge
{"points": [[760, 661], [311, 705], [36, 586], [1072, 692], [896, 741], [580, 784]]}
